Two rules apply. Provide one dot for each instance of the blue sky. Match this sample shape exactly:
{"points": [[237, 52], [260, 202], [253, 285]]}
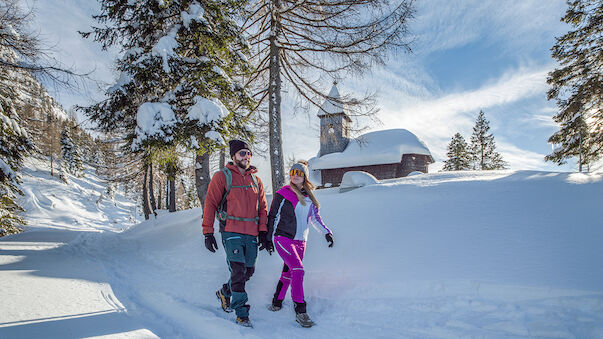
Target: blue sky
{"points": [[468, 55]]}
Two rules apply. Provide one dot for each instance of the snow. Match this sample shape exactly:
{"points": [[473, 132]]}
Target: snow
{"points": [[413, 173], [207, 111], [133, 51], [6, 170], [221, 72], [374, 148], [195, 12], [152, 120], [9, 30], [193, 142], [355, 179], [497, 254], [124, 79], [165, 48], [332, 104], [217, 137]]}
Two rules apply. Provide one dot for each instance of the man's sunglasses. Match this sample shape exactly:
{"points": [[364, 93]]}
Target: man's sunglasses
{"points": [[297, 172], [244, 153]]}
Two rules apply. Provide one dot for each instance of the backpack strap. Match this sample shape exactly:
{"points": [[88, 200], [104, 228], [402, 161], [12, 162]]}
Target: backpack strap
{"points": [[222, 215], [255, 182]]}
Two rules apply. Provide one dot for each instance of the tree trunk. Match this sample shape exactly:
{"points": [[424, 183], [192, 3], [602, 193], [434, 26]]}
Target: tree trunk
{"points": [[146, 208], [202, 175], [167, 194], [172, 206], [274, 106], [51, 165], [222, 158], [151, 190], [160, 192]]}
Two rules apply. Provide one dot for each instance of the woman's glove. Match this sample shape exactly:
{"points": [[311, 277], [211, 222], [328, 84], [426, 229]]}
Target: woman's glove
{"points": [[329, 238], [265, 243]]}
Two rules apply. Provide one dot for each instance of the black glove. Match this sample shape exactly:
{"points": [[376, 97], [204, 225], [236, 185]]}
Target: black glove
{"points": [[329, 238], [210, 242], [266, 243]]}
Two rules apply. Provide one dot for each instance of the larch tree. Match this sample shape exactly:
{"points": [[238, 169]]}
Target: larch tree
{"points": [[302, 41], [483, 148], [577, 85], [459, 158]]}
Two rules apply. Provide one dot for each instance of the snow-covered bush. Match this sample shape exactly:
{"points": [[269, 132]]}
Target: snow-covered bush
{"points": [[412, 174], [355, 179]]}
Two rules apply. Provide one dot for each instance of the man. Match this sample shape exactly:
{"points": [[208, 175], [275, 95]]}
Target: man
{"points": [[242, 213]]}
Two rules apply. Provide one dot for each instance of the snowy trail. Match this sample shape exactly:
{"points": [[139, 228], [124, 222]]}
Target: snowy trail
{"points": [[51, 292]]}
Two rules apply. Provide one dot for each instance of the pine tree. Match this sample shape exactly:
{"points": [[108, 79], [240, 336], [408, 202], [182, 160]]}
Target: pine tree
{"points": [[71, 154], [483, 149], [577, 85], [181, 75], [15, 145], [459, 158]]}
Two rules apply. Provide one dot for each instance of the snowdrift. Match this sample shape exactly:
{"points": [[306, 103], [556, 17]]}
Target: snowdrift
{"points": [[443, 255]]}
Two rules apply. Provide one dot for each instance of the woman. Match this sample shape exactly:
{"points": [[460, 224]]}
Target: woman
{"points": [[294, 207]]}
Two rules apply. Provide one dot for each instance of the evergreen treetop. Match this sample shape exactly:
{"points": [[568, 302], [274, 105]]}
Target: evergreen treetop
{"points": [[459, 158], [577, 84], [175, 54], [483, 148]]}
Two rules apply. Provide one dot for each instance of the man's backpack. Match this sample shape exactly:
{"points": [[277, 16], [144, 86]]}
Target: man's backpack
{"points": [[222, 215]]}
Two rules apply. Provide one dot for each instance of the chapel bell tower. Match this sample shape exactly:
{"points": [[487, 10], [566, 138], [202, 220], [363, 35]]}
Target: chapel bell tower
{"points": [[334, 124]]}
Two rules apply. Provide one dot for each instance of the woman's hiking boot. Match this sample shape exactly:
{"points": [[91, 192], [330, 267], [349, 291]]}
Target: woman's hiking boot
{"points": [[304, 320], [276, 305], [301, 316]]}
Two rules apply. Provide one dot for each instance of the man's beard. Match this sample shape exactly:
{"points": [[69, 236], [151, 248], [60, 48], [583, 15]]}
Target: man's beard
{"points": [[240, 164]]}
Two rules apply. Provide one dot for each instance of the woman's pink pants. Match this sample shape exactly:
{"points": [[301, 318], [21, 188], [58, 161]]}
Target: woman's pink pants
{"points": [[292, 252]]}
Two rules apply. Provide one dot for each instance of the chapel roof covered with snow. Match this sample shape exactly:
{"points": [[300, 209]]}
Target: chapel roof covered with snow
{"points": [[373, 148]]}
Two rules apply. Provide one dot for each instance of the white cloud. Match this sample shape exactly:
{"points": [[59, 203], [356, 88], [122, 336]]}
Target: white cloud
{"points": [[542, 120], [446, 24], [521, 159], [436, 120]]}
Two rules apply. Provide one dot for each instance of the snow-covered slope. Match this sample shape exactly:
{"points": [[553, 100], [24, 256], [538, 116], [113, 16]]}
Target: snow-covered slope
{"points": [[49, 289], [82, 204], [471, 254]]}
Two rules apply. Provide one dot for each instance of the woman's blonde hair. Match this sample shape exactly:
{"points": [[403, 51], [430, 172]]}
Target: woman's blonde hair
{"points": [[308, 186]]}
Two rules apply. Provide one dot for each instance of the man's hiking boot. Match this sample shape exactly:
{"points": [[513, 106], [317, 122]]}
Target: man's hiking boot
{"points": [[304, 320], [225, 301], [244, 321]]}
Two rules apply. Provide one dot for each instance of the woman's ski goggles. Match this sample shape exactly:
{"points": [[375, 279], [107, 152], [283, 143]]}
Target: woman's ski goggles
{"points": [[244, 153], [297, 172]]}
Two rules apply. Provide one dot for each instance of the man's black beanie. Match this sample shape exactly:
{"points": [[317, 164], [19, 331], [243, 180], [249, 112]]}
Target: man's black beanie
{"points": [[237, 145]]}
